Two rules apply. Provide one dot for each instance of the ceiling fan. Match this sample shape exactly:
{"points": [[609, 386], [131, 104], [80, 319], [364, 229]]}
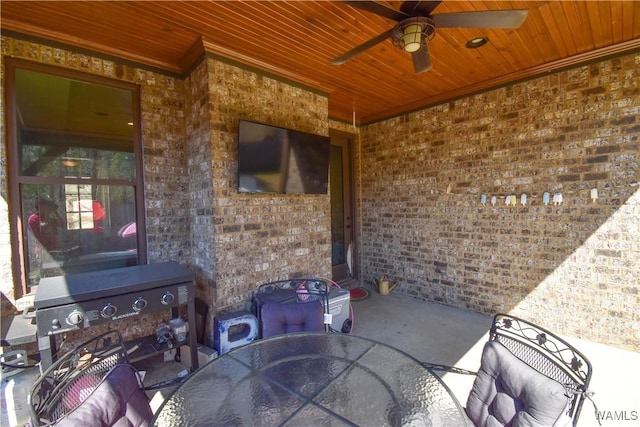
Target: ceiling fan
{"points": [[416, 27]]}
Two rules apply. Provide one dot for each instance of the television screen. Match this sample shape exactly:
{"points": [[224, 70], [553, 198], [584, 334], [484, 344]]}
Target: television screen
{"points": [[277, 160]]}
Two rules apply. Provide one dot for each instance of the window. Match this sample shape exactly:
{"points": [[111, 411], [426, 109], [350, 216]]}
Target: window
{"points": [[75, 165]]}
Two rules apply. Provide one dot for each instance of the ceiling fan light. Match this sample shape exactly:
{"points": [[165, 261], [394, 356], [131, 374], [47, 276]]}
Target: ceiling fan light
{"points": [[413, 33], [412, 37]]}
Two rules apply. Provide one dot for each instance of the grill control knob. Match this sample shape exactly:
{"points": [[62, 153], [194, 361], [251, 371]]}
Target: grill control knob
{"points": [[75, 318], [139, 304], [167, 298], [109, 310]]}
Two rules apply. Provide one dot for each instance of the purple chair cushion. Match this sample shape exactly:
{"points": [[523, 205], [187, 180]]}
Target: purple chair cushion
{"points": [[118, 401], [283, 318], [508, 392]]}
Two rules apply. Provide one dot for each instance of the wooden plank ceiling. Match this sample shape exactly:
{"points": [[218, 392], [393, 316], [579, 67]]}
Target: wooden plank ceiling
{"points": [[298, 40]]}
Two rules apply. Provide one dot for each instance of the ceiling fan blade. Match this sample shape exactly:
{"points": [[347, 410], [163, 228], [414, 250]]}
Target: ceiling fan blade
{"points": [[378, 9], [421, 59], [488, 19], [419, 8], [364, 46]]}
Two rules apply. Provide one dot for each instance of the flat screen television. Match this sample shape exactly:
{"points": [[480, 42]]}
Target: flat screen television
{"points": [[283, 161]]}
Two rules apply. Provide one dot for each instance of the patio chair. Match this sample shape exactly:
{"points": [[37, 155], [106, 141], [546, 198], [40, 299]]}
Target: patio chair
{"points": [[94, 384], [284, 318], [527, 376], [303, 298]]}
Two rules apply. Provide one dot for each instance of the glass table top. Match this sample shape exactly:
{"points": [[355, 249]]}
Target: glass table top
{"points": [[312, 379]]}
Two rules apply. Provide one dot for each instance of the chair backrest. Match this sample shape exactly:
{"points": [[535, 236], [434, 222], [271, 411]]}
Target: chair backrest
{"points": [[118, 400], [283, 318], [293, 291], [524, 361], [66, 386]]}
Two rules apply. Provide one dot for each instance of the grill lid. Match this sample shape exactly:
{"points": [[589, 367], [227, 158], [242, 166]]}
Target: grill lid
{"points": [[61, 290]]}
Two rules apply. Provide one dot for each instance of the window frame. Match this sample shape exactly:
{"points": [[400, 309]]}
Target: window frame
{"points": [[15, 179]]}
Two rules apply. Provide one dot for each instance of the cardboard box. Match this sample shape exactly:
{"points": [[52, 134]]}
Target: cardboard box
{"points": [[205, 354]]}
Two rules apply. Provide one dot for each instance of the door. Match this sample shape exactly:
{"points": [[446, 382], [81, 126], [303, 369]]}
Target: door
{"points": [[342, 236]]}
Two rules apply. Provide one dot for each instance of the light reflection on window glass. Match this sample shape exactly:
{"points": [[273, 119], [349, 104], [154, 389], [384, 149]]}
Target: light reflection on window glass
{"points": [[76, 228]]}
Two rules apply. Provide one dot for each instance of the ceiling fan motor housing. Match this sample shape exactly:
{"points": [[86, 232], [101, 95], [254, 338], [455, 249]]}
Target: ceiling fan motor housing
{"points": [[411, 33]]}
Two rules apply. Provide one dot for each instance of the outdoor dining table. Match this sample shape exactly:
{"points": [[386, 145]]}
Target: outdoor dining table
{"points": [[310, 379]]}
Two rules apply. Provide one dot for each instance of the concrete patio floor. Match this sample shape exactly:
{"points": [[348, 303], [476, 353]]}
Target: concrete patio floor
{"points": [[449, 336], [444, 335]]}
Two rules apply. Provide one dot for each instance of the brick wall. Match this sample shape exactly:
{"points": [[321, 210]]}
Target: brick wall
{"points": [[574, 267], [194, 214], [260, 238], [200, 172]]}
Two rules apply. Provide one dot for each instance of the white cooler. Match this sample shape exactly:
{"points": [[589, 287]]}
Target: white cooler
{"points": [[339, 301]]}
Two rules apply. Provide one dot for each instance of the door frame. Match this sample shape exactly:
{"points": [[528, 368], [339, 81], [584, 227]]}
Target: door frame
{"points": [[346, 141]]}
